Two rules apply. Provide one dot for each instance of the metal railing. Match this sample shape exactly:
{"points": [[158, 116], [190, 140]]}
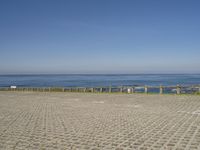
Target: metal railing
{"points": [[195, 89]]}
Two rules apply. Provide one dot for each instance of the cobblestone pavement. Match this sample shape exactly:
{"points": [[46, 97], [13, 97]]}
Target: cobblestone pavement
{"points": [[30, 121]]}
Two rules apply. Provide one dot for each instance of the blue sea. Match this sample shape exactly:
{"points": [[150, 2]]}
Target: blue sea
{"points": [[98, 80]]}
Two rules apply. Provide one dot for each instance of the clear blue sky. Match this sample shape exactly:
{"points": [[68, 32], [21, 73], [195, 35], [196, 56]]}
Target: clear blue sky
{"points": [[99, 36]]}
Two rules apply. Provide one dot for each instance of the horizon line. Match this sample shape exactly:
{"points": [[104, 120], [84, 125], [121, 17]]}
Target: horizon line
{"points": [[100, 74]]}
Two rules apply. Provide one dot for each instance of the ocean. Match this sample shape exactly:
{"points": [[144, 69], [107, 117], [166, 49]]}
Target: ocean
{"points": [[98, 80]]}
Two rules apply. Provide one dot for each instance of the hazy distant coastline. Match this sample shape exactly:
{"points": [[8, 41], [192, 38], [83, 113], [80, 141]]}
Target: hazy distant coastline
{"points": [[87, 80]]}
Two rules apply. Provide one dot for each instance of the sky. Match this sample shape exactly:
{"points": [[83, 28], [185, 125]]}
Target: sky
{"points": [[99, 36]]}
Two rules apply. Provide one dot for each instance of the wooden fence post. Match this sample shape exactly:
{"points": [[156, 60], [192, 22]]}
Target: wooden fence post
{"points": [[146, 89], [132, 90], [110, 89], [178, 89], [121, 90], [161, 89], [101, 90]]}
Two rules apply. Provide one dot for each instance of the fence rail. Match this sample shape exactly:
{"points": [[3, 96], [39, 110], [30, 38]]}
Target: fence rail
{"points": [[122, 89]]}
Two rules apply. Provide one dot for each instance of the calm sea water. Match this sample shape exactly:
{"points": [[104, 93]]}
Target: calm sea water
{"points": [[98, 80]]}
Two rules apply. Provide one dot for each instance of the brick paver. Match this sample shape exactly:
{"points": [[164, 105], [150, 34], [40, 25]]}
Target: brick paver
{"points": [[98, 121]]}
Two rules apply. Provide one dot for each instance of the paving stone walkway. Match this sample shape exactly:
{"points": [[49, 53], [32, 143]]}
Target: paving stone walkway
{"points": [[31, 120]]}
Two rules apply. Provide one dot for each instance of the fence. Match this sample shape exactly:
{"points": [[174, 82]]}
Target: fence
{"points": [[122, 89]]}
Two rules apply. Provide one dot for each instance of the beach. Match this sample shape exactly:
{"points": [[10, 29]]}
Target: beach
{"points": [[61, 120]]}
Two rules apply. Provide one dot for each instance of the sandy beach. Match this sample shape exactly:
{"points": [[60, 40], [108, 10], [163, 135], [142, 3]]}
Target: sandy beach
{"points": [[37, 120]]}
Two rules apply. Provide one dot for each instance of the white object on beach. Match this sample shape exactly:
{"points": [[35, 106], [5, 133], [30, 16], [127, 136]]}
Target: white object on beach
{"points": [[128, 90], [13, 87]]}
